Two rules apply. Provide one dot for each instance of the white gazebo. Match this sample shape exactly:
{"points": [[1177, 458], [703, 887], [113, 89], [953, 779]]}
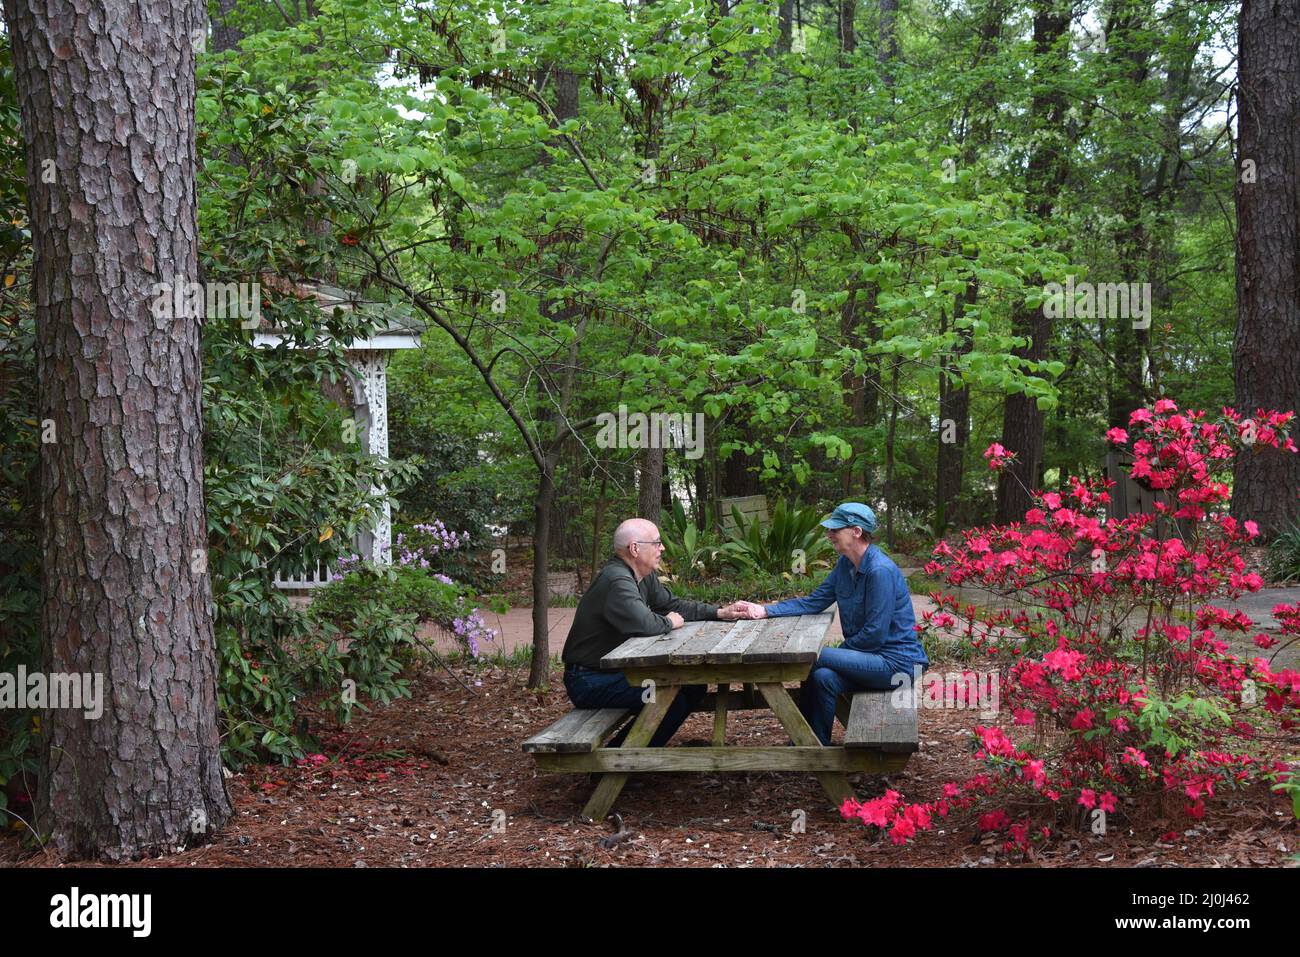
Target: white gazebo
{"points": [[368, 359]]}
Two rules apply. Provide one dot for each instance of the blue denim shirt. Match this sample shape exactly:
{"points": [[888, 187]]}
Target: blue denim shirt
{"points": [[875, 608]]}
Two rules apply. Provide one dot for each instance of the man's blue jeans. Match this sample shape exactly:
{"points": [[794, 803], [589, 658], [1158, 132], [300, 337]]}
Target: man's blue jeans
{"points": [[840, 671], [609, 689]]}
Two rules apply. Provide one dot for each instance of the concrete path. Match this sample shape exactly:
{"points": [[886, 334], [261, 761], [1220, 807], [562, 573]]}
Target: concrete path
{"points": [[1259, 605], [515, 627]]}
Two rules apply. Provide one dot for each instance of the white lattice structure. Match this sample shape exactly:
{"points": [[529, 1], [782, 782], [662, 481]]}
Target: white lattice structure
{"points": [[369, 380]]}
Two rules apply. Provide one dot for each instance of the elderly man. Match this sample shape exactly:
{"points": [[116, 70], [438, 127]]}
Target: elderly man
{"points": [[880, 640], [627, 599]]}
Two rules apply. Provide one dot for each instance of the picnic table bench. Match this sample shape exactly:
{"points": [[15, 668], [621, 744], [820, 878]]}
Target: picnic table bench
{"points": [[758, 655]]}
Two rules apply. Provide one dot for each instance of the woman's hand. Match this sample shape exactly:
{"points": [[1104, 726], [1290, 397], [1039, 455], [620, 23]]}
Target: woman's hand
{"points": [[747, 610]]}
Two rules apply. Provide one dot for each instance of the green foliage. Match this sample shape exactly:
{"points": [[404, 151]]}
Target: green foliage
{"points": [[688, 552], [297, 655], [1284, 555], [288, 484], [806, 227], [749, 585], [470, 474], [1159, 717], [402, 588], [793, 541]]}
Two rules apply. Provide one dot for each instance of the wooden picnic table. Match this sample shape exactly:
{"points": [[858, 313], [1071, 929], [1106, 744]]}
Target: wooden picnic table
{"points": [[760, 656]]}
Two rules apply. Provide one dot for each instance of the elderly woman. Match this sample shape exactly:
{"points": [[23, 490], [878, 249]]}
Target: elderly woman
{"points": [[880, 640]]}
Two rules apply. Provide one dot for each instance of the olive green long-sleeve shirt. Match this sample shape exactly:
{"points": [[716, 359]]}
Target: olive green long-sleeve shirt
{"points": [[617, 607]]}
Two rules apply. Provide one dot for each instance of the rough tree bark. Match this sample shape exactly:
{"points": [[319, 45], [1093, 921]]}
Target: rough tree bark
{"points": [[1266, 367], [107, 97]]}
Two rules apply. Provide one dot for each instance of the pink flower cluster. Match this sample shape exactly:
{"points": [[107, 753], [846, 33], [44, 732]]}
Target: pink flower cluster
{"points": [[1126, 697]]}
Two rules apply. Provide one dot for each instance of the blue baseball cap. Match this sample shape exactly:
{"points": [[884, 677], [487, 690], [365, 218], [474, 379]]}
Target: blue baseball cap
{"points": [[852, 513]]}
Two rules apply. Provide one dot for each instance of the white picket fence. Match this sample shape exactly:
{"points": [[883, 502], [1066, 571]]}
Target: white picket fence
{"points": [[308, 578]]}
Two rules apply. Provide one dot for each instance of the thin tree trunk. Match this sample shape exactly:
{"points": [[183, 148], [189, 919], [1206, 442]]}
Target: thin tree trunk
{"points": [[1022, 422], [785, 25], [225, 36], [846, 12], [1129, 42], [597, 527], [109, 125], [543, 508], [719, 10], [888, 52], [650, 497], [954, 420], [890, 492]]}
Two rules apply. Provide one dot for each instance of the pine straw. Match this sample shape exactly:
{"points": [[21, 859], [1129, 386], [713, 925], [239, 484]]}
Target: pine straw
{"points": [[432, 769]]}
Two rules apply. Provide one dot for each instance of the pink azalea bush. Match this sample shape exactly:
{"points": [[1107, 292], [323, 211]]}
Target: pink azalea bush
{"points": [[1115, 670]]}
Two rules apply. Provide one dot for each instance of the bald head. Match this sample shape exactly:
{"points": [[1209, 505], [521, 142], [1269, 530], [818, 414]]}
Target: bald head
{"points": [[636, 541], [634, 529]]}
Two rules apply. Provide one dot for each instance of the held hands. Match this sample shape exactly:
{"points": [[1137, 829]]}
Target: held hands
{"points": [[746, 610]]}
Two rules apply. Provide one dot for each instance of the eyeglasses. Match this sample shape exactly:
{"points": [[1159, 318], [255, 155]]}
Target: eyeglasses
{"points": [[659, 542]]}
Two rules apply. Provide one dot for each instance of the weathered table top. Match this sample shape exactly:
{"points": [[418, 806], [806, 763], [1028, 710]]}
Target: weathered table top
{"points": [[792, 640]]}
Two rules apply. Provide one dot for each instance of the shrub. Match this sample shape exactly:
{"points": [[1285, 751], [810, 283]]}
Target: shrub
{"points": [[1284, 555], [794, 535], [1117, 663], [751, 586], [687, 549], [408, 590]]}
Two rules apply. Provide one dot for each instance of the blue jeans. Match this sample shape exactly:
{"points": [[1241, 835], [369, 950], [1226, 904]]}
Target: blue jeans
{"points": [[840, 671], [599, 689]]}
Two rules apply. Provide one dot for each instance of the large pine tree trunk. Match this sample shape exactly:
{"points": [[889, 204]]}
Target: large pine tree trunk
{"points": [[107, 97], [1266, 352]]}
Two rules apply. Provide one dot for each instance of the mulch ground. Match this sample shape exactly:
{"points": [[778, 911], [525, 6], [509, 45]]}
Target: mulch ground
{"points": [[421, 781]]}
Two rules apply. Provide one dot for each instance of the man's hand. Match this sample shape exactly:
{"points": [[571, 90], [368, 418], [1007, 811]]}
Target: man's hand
{"points": [[675, 619], [742, 610], [729, 613]]}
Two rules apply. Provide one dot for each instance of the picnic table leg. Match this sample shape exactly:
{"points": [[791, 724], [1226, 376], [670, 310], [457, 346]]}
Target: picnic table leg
{"points": [[720, 715], [643, 728], [834, 783]]}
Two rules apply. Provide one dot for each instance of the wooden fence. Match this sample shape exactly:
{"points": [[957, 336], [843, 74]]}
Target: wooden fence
{"points": [[1130, 497], [749, 506]]}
